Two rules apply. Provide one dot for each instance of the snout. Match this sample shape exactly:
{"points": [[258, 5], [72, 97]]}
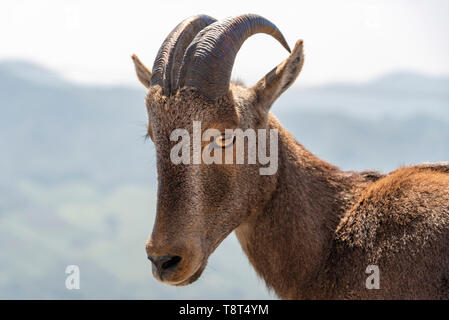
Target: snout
{"points": [[175, 262]]}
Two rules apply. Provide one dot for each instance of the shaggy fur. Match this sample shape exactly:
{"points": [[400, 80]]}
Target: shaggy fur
{"points": [[310, 230]]}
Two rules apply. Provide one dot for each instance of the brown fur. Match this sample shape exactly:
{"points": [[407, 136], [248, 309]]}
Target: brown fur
{"points": [[310, 230]]}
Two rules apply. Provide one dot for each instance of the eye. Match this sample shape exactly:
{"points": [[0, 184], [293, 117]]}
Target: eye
{"points": [[223, 141]]}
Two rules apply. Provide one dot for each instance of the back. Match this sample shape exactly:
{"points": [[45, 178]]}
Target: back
{"points": [[400, 224]]}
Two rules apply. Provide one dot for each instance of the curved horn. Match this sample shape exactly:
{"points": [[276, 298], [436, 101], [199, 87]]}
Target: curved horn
{"points": [[208, 61], [168, 59]]}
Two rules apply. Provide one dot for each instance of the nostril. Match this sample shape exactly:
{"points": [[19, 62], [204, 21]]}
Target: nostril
{"points": [[171, 262]]}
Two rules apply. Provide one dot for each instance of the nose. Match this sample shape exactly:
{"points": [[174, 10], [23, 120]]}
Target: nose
{"points": [[164, 264]]}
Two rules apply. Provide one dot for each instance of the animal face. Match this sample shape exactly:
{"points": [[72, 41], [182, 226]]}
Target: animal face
{"points": [[200, 202]]}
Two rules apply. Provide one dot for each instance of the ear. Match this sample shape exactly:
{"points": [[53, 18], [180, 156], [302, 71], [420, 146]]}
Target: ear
{"points": [[270, 87], [143, 73]]}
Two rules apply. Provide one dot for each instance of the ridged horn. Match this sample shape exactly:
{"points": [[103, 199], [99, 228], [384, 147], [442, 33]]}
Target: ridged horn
{"points": [[169, 57], [208, 61]]}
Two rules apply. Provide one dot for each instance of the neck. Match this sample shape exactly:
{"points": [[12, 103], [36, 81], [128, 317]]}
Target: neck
{"points": [[289, 240]]}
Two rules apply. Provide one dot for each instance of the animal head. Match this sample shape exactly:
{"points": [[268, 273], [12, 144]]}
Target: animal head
{"points": [[198, 203]]}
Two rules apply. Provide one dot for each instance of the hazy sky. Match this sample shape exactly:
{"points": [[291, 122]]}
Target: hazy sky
{"points": [[91, 41]]}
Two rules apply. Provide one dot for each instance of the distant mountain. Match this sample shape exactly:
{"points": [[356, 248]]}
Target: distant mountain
{"points": [[398, 94], [51, 121], [413, 83], [24, 71], [78, 179]]}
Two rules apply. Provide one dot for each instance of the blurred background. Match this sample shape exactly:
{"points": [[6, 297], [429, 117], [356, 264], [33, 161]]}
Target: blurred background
{"points": [[78, 180]]}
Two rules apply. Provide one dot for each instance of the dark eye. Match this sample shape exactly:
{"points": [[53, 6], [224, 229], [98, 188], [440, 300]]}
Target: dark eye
{"points": [[224, 141]]}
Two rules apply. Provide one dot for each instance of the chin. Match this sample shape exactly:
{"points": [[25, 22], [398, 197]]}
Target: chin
{"points": [[191, 279]]}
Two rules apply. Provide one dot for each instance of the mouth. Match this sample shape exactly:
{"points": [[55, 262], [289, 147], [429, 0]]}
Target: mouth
{"points": [[195, 276], [186, 281], [201, 266]]}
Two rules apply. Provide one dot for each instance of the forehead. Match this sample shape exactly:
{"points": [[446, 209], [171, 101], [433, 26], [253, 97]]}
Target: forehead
{"points": [[179, 111]]}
